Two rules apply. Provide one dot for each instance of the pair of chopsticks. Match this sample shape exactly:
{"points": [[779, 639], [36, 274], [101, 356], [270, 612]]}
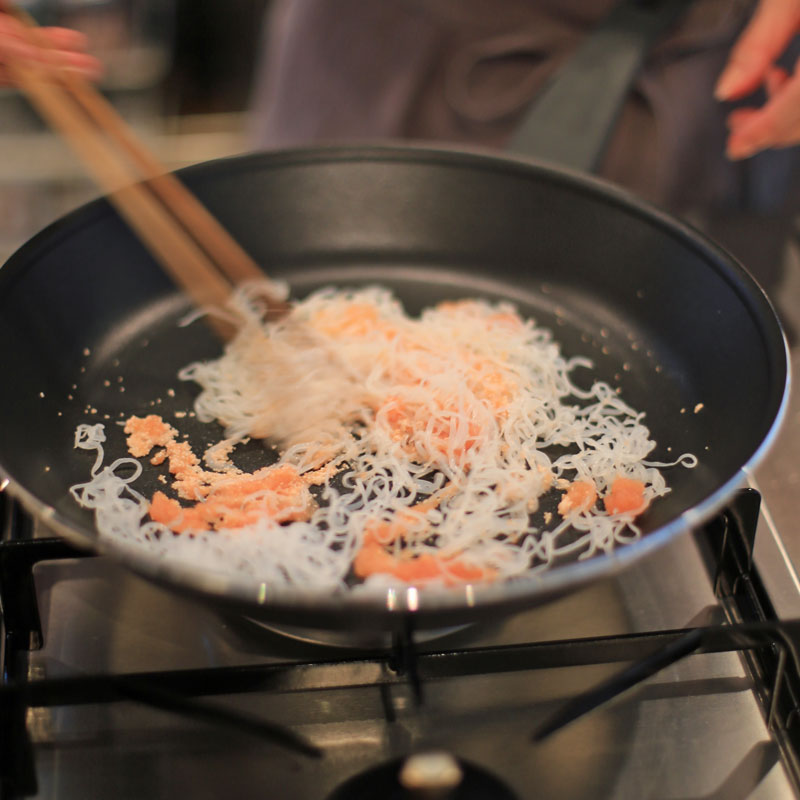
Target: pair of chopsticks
{"points": [[188, 241]]}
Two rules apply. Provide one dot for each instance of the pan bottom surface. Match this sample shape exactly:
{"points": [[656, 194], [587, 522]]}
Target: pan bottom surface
{"points": [[133, 370]]}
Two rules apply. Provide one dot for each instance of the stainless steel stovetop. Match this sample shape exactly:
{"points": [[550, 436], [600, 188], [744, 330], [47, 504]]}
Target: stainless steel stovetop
{"points": [[695, 730]]}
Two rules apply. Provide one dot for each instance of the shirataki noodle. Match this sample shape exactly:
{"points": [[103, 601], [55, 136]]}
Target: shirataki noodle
{"points": [[412, 450]]}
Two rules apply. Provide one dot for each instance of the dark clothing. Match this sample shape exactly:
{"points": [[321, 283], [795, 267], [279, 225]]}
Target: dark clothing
{"points": [[466, 70]]}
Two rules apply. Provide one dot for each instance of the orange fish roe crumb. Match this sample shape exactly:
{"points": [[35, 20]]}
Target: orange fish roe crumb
{"points": [[279, 493], [217, 456], [626, 496], [355, 320], [145, 433], [404, 420], [221, 499], [580, 496], [373, 559], [405, 523]]}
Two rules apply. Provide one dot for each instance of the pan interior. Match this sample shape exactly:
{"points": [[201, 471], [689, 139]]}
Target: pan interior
{"points": [[133, 368]]}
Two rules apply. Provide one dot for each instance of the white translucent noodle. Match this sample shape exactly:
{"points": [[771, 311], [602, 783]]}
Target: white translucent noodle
{"points": [[493, 412]]}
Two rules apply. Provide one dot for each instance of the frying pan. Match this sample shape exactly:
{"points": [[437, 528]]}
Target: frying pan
{"points": [[89, 324], [673, 321]]}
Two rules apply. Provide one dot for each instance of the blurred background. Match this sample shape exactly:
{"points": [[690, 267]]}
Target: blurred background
{"points": [[183, 73], [180, 72]]}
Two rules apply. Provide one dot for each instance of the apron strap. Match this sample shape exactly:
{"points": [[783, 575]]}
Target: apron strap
{"points": [[573, 117]]}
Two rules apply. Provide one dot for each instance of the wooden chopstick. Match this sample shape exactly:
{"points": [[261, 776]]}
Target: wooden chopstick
{"points": [[204, 226], [190, 243], [179, 254]]}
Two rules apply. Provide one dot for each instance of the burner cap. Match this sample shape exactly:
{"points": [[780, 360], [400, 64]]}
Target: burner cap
{"points": [[425, 775]]}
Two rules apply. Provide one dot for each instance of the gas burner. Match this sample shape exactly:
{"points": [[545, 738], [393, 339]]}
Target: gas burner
{"points": [[425, 776], [347, 639]]}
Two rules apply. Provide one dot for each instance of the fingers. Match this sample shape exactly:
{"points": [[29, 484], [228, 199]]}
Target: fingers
{"points": [[773, 25], [66, 49], [10, 45], [740, 117], [774, 80], [65, 39], [81, 63], [776, 124], [750, 66]]}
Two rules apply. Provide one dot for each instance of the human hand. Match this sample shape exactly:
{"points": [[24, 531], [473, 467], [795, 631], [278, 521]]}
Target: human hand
{"points": [[751, 66], [67, 49]]}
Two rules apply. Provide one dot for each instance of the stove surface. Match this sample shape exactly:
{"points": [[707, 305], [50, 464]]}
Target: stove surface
{"points": [[695, 730]]}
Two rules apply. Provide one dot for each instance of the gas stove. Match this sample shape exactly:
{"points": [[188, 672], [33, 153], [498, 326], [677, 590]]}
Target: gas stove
{"points": [[116, 688]]}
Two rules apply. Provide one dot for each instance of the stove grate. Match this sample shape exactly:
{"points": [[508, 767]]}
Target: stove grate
{"points": [[768, 644]]}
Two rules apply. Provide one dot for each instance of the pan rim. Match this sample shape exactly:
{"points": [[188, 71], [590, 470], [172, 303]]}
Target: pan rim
{"points": [[525, 591]]}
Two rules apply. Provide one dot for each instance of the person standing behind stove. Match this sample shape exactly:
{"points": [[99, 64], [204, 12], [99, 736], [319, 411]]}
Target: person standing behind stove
{"points": [[465, 71]]}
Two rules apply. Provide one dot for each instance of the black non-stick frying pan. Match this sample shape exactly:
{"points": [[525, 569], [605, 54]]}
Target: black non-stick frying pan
{"points": [[89, 324], [672, 320]]}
